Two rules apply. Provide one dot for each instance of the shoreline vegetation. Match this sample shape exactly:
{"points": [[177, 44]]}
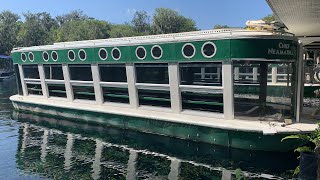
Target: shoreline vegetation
{"points": [[41, 28]]}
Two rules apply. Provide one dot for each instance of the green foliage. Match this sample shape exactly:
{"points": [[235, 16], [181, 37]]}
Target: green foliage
{"points": [[304, 149], [76, 15], [313, 137], [36, 30], [9, 28], [77, 30], [41, 28], [170, 21], [122, 30], [141, 22], [218, 26], [240, 175], [269, 18]]}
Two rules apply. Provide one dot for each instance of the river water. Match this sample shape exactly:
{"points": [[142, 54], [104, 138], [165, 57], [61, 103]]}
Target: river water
{"points": [[34, 147]]}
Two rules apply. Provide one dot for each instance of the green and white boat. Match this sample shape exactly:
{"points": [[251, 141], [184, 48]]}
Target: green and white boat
{"points": [[184, 85]]}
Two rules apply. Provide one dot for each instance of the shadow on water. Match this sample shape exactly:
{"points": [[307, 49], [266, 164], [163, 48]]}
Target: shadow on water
{"points": [[55, 148]]}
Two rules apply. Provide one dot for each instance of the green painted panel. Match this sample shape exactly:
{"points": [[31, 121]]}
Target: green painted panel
{"points": [[264, 48], [222, 51], [172, 52]]}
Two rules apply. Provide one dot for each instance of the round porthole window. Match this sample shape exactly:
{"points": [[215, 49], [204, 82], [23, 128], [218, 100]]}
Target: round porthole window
{"points": [[23, 57], [31, 56], [82, 55], [116, 53], [188, 50], [141, 52], [45, 56], [71, 55], [103, 54], [54, 55], [208, 49], [156, 52]]}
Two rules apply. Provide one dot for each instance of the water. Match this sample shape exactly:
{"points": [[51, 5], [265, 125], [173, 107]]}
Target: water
{"points": [[34, 147]]}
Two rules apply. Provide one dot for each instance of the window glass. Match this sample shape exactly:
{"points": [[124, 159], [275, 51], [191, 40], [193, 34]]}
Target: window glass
{"points": [[152, 73], [103, 54], [45, 56], [141, 53], [57, 90], [31, 71], [208, 50], [116, 54], [255, 98], [119, 95], [113, 73], [80, 72], [188, 50], [54, 55], [154, 98], [202, 101], [156, 52], [201, 74], [82, 55], [71, 55], [34, 89], [83, 92], [53, 71]]}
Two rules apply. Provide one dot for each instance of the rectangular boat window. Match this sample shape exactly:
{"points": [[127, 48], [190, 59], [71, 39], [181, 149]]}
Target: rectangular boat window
{"points": [[18, 79], [31, 71], [202, 101], [112, 94], [201, 74], [53, 71], [34, 89], [152, 73], [80, 72], [283, 73], [57, 90], [262, 100], [154, 98], [246, 73], [83, 92], [113, 73]]}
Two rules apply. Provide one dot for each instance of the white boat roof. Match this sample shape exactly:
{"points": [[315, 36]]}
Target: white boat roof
{"points": [[159, 39]]}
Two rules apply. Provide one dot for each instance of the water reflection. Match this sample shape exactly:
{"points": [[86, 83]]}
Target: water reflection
{"points": [[58, 149], [34, 147]]}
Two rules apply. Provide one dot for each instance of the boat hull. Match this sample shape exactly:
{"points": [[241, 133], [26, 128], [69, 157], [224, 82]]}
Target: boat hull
{"points": [[219, 136]]}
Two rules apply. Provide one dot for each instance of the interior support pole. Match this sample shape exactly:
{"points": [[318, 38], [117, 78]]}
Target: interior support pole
{"points": [[263, 87], [300, 84]]}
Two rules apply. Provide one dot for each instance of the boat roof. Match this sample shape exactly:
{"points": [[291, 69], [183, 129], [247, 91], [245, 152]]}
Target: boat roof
{"points": [[5, 57], [162, 38]]}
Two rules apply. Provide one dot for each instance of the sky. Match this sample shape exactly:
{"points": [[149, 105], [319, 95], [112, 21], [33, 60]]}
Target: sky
{"points": [[206, 13]]}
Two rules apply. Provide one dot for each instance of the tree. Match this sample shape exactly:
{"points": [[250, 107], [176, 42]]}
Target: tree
{"points": [[269, 18], [218, 26], [76, 15], [170, 21], [141, 22], [122, 30], [9, 28], [77, 30], [37, 29]]}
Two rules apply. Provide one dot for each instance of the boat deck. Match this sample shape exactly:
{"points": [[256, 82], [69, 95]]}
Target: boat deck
{"points": [[185, 117]]}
